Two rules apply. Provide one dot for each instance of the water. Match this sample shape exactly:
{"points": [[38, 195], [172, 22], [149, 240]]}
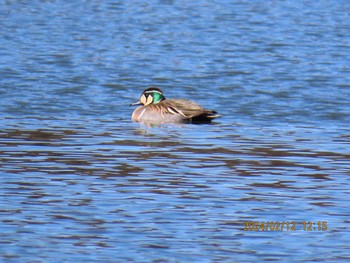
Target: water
{"points": [[82, 182]]}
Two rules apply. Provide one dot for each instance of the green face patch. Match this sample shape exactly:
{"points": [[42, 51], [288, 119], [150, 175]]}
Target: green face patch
{"points": [[157, 97]]}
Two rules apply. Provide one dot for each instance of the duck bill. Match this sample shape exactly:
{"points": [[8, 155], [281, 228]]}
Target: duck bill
{"points": [[136, 104]]}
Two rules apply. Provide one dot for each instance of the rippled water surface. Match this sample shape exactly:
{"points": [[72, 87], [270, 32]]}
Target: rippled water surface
{"points": [[80, 182]]}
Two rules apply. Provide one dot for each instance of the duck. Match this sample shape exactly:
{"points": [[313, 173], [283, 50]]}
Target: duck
{"points": [[154, 108]]}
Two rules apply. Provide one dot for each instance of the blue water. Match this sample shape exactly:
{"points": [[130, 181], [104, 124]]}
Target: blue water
{"points": [[81, 182]]}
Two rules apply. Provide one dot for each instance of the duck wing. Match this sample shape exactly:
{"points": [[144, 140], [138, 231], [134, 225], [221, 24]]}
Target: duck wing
{"points": [[187, 108]]}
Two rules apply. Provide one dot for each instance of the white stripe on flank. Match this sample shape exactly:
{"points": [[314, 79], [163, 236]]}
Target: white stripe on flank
{"points": [[142, 113]]}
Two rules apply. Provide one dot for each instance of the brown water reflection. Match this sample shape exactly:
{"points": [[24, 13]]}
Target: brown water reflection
{"points": [[52, 152]]}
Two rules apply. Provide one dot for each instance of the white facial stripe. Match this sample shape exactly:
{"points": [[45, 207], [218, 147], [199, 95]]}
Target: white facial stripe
{"points": [[152, 91]]}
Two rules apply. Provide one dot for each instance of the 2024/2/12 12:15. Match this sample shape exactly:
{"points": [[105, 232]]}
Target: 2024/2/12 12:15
{"points": [[285, 226]]}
